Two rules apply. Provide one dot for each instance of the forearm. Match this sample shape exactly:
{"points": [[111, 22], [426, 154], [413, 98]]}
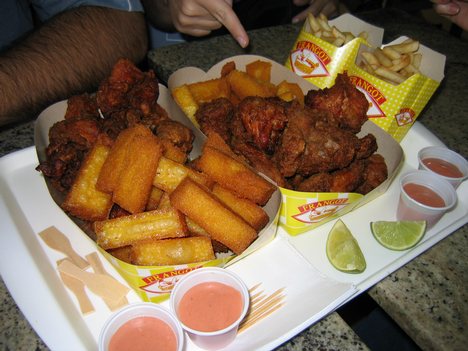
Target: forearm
{"points": [[158, 14], [70, 54]]}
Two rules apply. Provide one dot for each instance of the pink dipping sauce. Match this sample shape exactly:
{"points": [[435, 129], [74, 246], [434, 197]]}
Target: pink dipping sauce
{"points": [[210, 306], [144, 333], [424, 195], [442, 167]]}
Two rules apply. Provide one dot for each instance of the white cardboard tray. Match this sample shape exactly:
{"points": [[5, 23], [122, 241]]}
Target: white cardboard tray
{"points": [[313, 287]]}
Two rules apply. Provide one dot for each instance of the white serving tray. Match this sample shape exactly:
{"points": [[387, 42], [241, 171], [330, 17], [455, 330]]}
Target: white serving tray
{"points": [[313, 287]]}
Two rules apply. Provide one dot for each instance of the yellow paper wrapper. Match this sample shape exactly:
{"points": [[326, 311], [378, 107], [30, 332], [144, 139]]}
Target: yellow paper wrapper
{"points": [[393, 107]]}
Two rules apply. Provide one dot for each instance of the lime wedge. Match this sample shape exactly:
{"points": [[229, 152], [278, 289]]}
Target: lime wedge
{"points": [[343, 250], [398, 235]]}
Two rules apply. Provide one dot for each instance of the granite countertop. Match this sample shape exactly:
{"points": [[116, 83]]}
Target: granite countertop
{"points": [[427, 297]]}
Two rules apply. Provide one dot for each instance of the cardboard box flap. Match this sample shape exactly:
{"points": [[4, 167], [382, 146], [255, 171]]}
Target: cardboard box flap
{"points": [[350, 23]]}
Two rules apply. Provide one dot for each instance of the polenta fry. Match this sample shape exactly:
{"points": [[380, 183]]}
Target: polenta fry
{"points": [[123, 231], [235, 176], [208, 212], [84, 200], [136, 179], [171, 252]]}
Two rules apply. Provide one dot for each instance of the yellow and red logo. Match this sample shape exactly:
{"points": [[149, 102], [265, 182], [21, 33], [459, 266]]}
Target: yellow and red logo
{"points": [[309, 60], [373, 95], [162, 283], [316, 211], [405, 116]]}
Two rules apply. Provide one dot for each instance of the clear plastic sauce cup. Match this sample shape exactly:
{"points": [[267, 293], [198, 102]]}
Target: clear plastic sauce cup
{"points": [[424, 196], [142, 326], [210, 303], [444, 162]]}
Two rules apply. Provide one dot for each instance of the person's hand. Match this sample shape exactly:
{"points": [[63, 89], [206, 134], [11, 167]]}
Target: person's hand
{"points": [[200, 17], [455, 10], [327, 7]]}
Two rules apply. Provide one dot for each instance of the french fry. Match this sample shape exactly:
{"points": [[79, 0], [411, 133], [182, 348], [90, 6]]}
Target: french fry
{"points": [[313, 23], [391, 53], [170, 252], [323, 22], [337, 33], [382, 58], [393, 63], [116, 160], [370, 59], [416, 60], [170, 173], [235, 176], [401, 63], [136, 179], [320, 28], [123, 231], [248, 210], [364, 35], [84, 200], [208, 212], [406, 46], [390, 75], [348, 37]]}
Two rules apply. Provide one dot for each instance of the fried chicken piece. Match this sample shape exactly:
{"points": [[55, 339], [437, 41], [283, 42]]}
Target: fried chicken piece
{"points": [[344, 180], [81, 105], [367, 146], [260, 162], [128, 88], [316, 183], [347, 106], [263, 120], [69, 140], [179, 135], [307, 148], [375, 174], [215, 116], [361, 177]]}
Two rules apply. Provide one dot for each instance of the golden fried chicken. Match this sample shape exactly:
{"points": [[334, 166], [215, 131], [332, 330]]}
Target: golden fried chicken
{"points": [[263, 120], [179, 135], [361, 176], [215, 116], [376, 173], [345, 105], [69, 141], [307, 147]]}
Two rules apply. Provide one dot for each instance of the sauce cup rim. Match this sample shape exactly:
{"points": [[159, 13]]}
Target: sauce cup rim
{"points": [[450, 189]]}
